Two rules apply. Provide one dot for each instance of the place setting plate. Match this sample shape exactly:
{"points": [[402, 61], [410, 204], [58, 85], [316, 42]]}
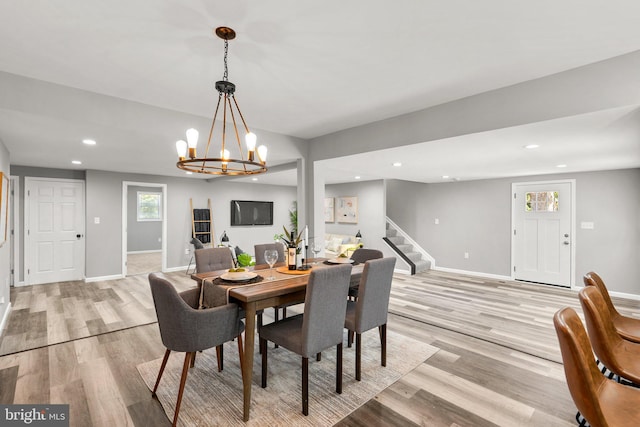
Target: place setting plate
{"points": [[340, 261], [241, 276]]}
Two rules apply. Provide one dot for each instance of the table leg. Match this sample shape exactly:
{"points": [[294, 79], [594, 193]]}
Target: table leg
{"points": [[247, 365]]}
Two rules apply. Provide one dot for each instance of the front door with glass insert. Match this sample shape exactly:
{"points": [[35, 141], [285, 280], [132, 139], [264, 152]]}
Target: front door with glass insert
{"points": [[542, 215]]}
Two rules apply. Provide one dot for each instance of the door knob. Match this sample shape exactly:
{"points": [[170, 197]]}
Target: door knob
{"points": [[565, 242]]}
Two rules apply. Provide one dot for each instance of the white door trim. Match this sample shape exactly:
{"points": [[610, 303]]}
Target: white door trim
{"points": [[15, 227], [125, 190], [572, 183], [26, 219]]}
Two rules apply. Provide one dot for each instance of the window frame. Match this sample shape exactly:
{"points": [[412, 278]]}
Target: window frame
{"points": [[158, 206]]}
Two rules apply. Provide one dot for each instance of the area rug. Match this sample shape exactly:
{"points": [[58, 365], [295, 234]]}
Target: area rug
{"points": [[214, 398]]}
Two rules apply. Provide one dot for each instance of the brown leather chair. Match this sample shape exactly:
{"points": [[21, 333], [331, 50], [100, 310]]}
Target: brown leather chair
{"points": [[627, 327], [602, 402], [620, 356]]}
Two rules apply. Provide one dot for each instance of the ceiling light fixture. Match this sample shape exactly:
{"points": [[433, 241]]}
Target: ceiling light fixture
{"points": [[89, 141], [445, 176], [357, 177], [531, 146], [76, 162], [561, 166], [397, 164], [225, 164]]}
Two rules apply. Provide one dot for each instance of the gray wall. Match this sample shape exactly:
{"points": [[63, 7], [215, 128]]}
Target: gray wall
{"points": [[475, 217], [142, 235], [104, 200], [371, 217]]}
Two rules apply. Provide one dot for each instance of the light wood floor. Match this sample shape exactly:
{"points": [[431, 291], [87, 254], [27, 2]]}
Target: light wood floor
{"points": [[471, 381]]}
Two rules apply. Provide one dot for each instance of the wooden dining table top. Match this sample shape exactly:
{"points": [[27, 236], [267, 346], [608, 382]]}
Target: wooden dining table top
{"points": [[283, 282]]}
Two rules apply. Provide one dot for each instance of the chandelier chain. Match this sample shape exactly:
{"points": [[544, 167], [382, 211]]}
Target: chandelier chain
{"points": [[225, 76]]}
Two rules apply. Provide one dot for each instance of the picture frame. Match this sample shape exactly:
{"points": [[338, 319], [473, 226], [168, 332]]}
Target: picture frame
{"points": [[347, 209], [329, 209], [4, 207]]}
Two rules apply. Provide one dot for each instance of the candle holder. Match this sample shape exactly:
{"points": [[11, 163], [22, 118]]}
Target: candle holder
{"points": [[305, 265]]}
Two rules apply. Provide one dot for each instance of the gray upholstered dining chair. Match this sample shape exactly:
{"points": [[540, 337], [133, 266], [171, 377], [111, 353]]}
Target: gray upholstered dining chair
{"points": [[361, 255], [371, 308], [211, 259], [318, 328], [259, 252], [186, 329]]}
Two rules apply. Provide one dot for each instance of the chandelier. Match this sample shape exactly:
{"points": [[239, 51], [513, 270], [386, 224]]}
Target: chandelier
{"points": [[225, 164]]}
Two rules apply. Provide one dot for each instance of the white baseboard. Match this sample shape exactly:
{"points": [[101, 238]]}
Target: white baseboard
{"points": [[473, 273], [100, 278], [174, 269], [144, 252], [625, 295], [5, 318]]}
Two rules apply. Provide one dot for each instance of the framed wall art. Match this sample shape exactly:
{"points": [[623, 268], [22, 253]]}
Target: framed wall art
{"points": [[347, 209], [328, 210]]}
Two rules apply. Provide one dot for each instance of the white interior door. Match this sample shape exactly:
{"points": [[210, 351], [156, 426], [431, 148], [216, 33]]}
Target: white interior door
{"points": [[54, 231], [542, 234]]}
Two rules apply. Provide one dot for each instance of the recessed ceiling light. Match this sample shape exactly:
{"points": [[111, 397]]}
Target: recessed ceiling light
{"points": [[89, 141], [561, 166], [76, 162], [445, 176], [397, 164], [531, 146], [254, 179], [357, 177], [189, 173]]}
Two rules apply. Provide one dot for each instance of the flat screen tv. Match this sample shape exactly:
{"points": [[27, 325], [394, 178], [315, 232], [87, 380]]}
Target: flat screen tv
{"points": [[244, 212]]}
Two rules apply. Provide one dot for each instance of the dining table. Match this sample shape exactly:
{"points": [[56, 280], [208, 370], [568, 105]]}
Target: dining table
{"points": [[258, 293]]}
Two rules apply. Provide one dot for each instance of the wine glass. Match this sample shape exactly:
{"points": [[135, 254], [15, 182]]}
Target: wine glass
{"points": [[317, 247], [271, 256]]}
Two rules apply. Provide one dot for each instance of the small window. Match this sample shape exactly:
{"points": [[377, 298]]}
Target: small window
{"points": [[541, 201], [149, 206]]}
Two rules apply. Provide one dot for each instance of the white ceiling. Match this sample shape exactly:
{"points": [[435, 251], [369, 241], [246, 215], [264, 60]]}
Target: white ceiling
{"points": [[307, 69]]}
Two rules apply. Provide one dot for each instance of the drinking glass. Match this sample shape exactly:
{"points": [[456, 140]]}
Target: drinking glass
{"points": [[271, 256], [317, 247]]}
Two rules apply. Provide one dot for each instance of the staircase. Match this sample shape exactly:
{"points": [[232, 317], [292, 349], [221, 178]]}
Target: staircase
{"points": [[416, 260]]}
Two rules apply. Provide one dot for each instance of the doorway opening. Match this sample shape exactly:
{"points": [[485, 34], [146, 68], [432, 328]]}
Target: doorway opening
{"points": [[144, 230]]}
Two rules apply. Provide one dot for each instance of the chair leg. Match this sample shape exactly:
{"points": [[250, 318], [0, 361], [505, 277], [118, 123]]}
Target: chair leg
{"points": [[339, 369], [220, 357], [358, 355], [164, 364], [263, 350], [284, 313], [193, 361], [240, 350], [183, 380], [305, 386], [383, 344], [349, 338], [318, 357]]}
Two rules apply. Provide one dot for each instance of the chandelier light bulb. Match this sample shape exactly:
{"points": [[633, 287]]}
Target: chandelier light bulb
{"points": [[262, 153], [251, 138], [181, 148], [192, 138]]}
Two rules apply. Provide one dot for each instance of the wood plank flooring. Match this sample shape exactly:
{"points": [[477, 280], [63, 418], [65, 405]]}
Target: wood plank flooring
{"points": [[472, 380]]}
